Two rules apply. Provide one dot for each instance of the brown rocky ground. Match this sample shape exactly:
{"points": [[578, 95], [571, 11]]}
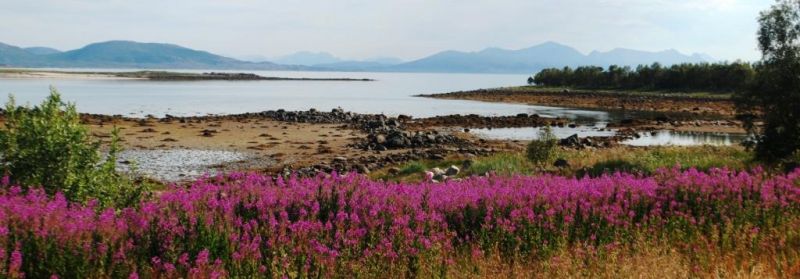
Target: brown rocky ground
{"points": [[306, 142]]}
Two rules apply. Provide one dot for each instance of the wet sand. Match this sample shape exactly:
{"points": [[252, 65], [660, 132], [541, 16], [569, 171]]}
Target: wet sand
{"points": [[287, 143], [32, 74]]}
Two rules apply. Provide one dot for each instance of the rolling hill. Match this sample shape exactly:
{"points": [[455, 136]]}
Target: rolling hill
{"points": [[129, 54], [532, 59]]}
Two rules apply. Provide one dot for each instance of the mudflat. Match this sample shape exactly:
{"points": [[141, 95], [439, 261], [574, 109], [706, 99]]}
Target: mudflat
{"points": [[697, 104]]}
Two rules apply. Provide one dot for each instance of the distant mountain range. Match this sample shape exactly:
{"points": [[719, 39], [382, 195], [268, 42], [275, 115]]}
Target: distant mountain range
{"points": [[329, 61], [128, 54], [546, 55]]}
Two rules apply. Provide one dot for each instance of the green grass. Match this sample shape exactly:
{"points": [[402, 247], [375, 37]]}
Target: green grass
{"points": [[646, 160], [643, 160], [503, 163]]}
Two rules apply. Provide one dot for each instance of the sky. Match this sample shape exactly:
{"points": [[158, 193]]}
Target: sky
{"points": [[407, 29]]}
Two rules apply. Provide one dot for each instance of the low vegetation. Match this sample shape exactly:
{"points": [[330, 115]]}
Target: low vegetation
{"points": [[543, 149], [250, 225], [592, 162], [47, 146]]}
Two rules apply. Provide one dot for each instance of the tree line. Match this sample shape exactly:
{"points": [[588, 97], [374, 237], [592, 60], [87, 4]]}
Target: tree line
{"points": [[709, 77]]}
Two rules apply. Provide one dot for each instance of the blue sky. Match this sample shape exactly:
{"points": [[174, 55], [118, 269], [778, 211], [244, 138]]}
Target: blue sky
{"points": [[408, 29]]}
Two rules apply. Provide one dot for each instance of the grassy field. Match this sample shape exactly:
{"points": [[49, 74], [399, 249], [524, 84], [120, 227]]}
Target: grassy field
{"points": [[643, 160]]}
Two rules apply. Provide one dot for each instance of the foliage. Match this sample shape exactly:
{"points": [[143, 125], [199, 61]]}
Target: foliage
{"points": [[774, 95], [543, 149], [501, 164], [647, 160], [246, 225], [412, 168], [47, 146], [717, 77]]}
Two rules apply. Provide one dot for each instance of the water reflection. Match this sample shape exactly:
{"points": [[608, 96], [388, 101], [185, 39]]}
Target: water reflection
{"points": [[646, 138], [685, 138], [530, 133]]}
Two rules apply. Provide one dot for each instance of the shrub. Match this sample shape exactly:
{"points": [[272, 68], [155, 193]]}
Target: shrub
{"points": [[47, 146], [544, 148]]}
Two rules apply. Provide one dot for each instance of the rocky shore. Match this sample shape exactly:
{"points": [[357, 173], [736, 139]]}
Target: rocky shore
{"points": [[313, 141], [309, 142]]}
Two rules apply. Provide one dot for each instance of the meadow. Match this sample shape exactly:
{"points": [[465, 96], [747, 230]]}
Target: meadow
{"points": [[693, 223]]}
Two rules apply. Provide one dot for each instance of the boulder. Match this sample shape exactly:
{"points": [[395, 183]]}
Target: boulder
{"points": [[561, 163], [452, 170], [362, 169], [572, 140]]}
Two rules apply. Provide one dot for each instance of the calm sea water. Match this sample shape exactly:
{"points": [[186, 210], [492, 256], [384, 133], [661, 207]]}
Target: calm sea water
{"points": [[390, 93]]}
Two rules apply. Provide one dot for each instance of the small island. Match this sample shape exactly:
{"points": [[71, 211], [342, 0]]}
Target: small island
{"points": [[154, 75]]}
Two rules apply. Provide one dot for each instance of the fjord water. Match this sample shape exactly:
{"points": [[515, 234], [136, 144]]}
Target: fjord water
{"points": [[389, 93]]}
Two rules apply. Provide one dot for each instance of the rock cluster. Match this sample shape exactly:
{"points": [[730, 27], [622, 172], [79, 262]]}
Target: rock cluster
{"points": [[576, 142], [366, 164], [477, 121], [438, 175], [397, 138]]}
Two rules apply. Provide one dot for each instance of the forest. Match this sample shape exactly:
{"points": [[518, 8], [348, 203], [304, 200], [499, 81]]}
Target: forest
{"points": [[704, 77]]}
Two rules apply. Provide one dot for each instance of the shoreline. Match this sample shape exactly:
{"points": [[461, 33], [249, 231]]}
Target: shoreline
{"points": [[153, 76], [698, 106]]}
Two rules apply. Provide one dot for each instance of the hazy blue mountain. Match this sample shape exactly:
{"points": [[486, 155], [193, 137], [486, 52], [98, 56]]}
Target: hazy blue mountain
{"points": [[532, 59], [128, 54], [496, 60], [329, 61], [307, 58], [14, 56], [385, 60], [253, 58], [622, 56], [358, 66], [42, 50]]}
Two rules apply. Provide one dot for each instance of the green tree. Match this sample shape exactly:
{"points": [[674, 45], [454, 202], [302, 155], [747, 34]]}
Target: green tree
{"points": [[774, 94], [47, 146]]}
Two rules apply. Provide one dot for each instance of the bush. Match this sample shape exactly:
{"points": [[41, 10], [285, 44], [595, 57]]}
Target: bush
{"points": [[47, 146], [543, 149]]}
